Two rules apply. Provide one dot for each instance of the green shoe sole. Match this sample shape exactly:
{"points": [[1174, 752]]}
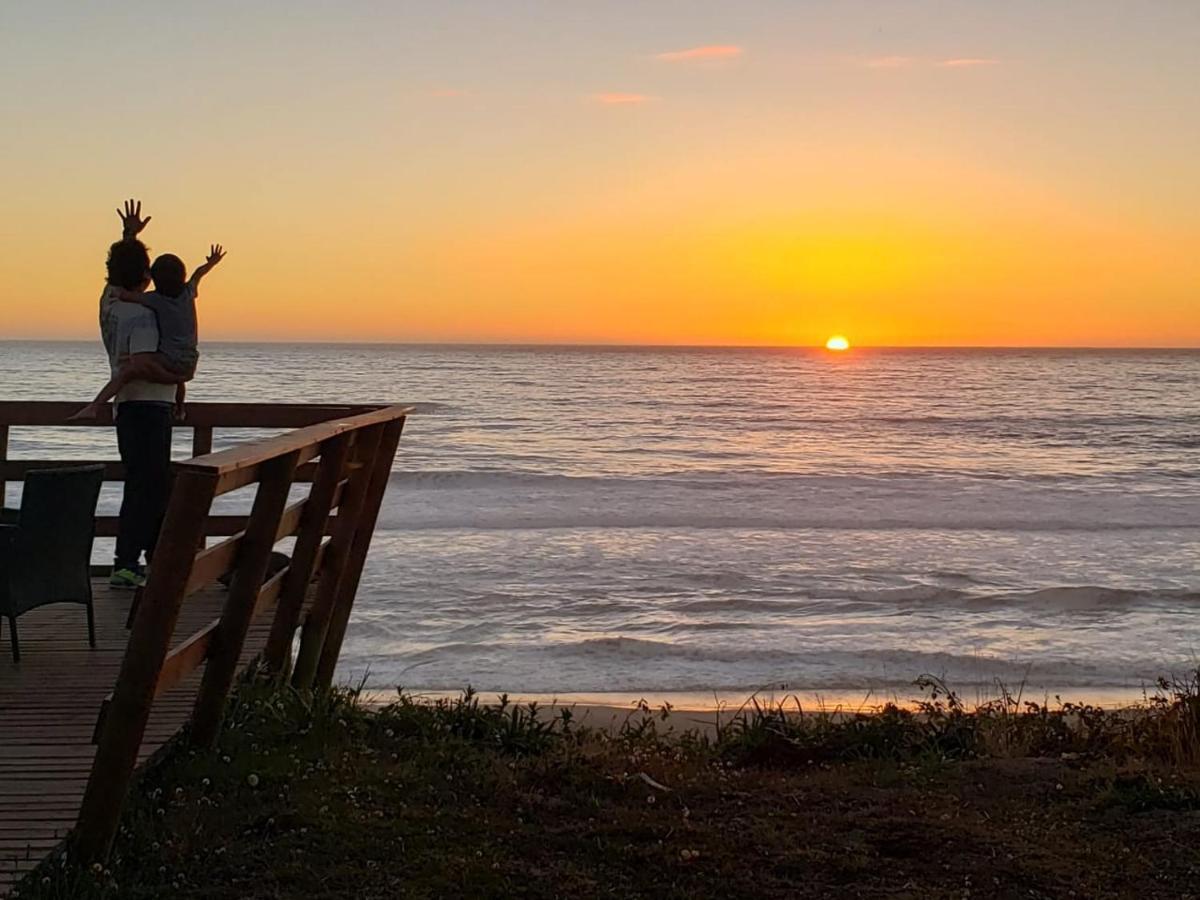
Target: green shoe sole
{"points": [[126, 579]]}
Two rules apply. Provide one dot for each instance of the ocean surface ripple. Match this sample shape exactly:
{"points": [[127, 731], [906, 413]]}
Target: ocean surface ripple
{"points": [[644, 522]]}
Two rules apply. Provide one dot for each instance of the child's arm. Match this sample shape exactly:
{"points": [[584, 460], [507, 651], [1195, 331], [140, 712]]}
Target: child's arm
{"points": [[131, 296], [215, 254]]}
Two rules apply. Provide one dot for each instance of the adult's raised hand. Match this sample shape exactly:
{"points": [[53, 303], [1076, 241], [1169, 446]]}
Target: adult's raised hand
{"points": [[132, 222]]}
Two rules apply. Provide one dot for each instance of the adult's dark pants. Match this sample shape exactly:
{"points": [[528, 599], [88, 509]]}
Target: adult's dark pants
{"points": [[144, 442]]}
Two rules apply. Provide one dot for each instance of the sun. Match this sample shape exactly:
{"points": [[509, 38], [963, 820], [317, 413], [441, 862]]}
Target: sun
{"points": [[837, 343]]}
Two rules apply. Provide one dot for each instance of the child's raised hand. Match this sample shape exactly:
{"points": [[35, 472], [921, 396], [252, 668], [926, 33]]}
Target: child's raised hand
{"points": [[215, 254]]}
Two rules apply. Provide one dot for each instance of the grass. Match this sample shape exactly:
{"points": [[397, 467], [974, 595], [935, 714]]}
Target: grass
{"points": [[1165, 730], [318, 796]]}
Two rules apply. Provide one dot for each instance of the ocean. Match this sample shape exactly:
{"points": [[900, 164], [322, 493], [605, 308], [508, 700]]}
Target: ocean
{"points": [[699, 524]]}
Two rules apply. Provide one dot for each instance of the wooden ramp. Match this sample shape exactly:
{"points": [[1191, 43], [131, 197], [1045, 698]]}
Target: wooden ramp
{"points": [[48, 709]]}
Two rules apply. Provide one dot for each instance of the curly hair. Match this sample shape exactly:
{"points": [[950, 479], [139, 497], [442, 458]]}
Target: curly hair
{"points": [[128, 264]]}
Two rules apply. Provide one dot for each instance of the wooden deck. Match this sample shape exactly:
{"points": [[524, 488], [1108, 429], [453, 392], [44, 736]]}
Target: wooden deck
{"points": [[48, 709]]}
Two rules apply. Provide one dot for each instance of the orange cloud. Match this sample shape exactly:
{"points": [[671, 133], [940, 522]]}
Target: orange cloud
{"points": [[615, 98], [967, 62], [710, 51]]}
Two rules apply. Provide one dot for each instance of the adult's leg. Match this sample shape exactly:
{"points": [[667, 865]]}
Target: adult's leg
{"points": [[129, 547], [158, 482], [144, 442]]}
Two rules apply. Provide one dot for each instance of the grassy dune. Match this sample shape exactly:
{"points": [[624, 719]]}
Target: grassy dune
{"points": [[321, 797]]}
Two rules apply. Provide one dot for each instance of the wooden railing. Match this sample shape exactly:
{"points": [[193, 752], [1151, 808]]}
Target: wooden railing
{"points": [[202, 420], [345, 454]]}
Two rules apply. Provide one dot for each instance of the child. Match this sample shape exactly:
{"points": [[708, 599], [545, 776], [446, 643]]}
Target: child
{"points": [[174, 305]]}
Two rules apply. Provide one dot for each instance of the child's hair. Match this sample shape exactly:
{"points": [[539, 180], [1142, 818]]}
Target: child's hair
{"points": [[169, 275], [128, 263]]}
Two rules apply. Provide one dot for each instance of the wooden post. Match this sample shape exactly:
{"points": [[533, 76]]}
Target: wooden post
{"points": [[202, 440], [312, 635], [334, 453], [250, 569], [153, 629], [3, 460], [357, 557]]}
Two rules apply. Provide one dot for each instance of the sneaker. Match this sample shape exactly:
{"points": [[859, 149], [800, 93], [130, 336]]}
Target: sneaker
{"points": [[127, 579]]}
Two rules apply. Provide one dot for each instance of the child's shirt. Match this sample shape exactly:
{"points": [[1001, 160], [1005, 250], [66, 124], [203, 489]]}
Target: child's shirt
{"points": [[178, 335]]}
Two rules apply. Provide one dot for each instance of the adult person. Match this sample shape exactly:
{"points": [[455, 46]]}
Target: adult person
{"points": [[142, 411]]}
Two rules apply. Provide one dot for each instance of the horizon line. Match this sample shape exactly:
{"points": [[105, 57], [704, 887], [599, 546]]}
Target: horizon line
{"points": [[644, 346]]}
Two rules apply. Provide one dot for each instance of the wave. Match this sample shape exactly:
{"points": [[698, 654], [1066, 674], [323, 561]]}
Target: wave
{"points": [[768, 600], [1075, 598], [452, 479], [490, 500], [1099, 428], [431, 408], [625, 663], [812, 599], [915, 594], [1066, 599], [941, 477]]}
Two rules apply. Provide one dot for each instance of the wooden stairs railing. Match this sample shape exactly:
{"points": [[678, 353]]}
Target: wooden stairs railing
{"points": [[344, 455]]}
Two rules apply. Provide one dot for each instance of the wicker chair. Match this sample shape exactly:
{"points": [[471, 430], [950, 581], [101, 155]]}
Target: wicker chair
{"points": [[45, 554]]}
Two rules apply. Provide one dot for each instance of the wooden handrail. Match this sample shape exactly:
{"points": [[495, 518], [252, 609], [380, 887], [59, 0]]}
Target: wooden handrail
{"points": [[213, 562], [55, 413], [214, 526], [17, 469], [346, 454], [314, 423], [235, 459], [183, 660]]}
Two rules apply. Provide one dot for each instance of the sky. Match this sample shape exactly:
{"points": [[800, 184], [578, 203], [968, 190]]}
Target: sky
{"points": [[901, 172]]}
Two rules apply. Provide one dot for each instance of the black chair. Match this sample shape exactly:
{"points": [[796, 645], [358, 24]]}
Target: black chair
{"points": [[46, 554]]}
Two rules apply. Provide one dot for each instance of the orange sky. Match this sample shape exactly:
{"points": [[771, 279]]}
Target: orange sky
{"points": [[957, 174]]}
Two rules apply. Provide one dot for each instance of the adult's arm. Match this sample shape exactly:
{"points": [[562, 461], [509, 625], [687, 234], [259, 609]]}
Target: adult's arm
{"points": [[132, 222], [132, 225]]}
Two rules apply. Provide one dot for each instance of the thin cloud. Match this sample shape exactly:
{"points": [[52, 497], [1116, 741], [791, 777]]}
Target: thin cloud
{"points": [[447, 92], [890, 62], [707, 52], [967, 62], [616, 98], [917, 62]]}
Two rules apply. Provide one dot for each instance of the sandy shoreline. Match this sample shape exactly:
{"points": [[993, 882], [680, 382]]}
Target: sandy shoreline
{"points": [[706, 711]]}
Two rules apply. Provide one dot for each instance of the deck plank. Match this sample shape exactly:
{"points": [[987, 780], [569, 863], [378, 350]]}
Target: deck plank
{"points": [[48, 709]]}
